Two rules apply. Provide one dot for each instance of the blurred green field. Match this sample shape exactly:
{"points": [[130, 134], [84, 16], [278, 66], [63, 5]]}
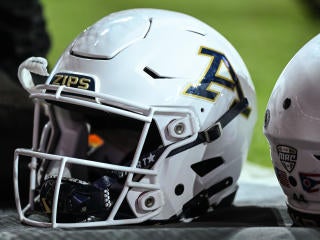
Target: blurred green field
{"points": [[266, 34]]}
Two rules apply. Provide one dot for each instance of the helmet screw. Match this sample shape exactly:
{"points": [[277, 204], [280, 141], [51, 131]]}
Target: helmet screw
{"points": [[149, 202], [179, 128]]}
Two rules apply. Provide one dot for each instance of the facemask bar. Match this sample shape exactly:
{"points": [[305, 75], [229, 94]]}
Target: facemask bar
{"points": [[63, 161], [33, 164], [131, 170], [67, 160], [62, 94]]}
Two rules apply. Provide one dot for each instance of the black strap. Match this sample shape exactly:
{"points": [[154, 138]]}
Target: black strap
{"points": [[215, 131]]}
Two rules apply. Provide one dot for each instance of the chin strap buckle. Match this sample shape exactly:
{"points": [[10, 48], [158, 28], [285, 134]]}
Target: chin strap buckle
{"points": [[213, 133]]}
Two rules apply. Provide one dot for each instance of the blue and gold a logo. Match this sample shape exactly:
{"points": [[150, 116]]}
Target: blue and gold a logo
{"points": [[218, 75]]}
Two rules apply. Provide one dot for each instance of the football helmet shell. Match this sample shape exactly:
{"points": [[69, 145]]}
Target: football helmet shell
{"points": [[292, 123], [179, 88]]}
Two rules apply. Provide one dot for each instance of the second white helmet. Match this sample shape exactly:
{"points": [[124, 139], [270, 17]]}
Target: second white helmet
{"points": [[292, 127]]}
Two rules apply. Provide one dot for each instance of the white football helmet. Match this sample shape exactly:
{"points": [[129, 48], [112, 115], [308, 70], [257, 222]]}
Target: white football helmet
{"points": [[292, 127], [147, 116]]}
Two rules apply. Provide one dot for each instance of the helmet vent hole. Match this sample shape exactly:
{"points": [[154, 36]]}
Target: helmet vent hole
{"points": [[179, 189], [202, 168], [286, 103], [317, 156], [153, 74], [292, 181], [266, 118]]}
